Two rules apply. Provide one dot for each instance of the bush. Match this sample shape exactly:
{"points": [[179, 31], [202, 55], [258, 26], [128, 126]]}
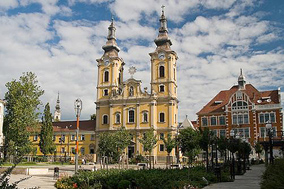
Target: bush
{"points": [[273, 177], [154, 178]]}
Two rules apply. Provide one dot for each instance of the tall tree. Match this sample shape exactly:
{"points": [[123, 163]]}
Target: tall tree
{"points": [[23, 102], [149, 141], [258, 149], [46, 143], [170, 143], [188, 140], [122, 140], [205, 140]]}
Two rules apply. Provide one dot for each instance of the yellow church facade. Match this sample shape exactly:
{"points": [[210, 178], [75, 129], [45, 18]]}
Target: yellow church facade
{"points": [[122, 103]]}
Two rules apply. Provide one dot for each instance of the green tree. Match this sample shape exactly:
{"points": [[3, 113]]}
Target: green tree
{"points": [[258, 149], [205, 139], [188, 140], [122, 139], [22, 104], [222, 143], [170, 143], [149, 141], [46, 143], [93, 117], [107, 146]]}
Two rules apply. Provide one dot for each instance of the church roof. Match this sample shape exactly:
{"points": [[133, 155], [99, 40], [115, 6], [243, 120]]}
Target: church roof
{"points": [[186, 123], [218, 103]]}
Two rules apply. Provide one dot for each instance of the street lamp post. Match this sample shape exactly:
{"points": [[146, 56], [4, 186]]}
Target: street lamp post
{"points": [[270, 133], [78, 108]]}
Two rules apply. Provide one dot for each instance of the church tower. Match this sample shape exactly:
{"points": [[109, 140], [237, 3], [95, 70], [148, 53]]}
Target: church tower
{"points": [[163, 63], [57, 112], [110, 67]]}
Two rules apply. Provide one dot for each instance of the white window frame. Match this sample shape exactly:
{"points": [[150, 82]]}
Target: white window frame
{"points": [[269, 113], [131, 109], [206, 121], [82, 137], [216, 121], [115, 116], [73, 137]]}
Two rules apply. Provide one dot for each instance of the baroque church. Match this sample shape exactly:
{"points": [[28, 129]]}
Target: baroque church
{"points": [[122, 103]]}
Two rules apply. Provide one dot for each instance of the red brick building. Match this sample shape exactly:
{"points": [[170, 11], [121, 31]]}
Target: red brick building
{"points": [[244, 109]]}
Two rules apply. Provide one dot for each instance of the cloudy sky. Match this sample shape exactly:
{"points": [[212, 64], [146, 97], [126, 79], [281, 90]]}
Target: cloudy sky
{"points": [[60, 40]]}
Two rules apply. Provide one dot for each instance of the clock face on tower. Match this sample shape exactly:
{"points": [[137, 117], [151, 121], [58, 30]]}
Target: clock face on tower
{"points": [[161, 56], [106, 62]]}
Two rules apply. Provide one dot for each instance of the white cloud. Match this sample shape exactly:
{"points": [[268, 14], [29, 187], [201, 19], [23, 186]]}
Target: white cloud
{"points": [[7, 4]]}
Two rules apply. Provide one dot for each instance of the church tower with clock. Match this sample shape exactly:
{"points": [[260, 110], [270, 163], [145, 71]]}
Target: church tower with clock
{"points": [[122, 103]]}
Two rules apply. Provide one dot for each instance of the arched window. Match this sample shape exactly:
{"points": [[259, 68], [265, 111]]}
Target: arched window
{"points": [[105, 119], [162, 117], [131, 91], [106, 76], [117, 118], [105, 92], [162, 71], [239, 105], [131, 116]]}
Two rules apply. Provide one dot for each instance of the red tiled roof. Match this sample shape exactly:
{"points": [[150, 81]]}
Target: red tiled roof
{"points": [[87, 125], [224, 97], [65, 126]]}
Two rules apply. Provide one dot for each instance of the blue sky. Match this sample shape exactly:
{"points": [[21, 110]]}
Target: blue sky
{"points": [[61, 40]]}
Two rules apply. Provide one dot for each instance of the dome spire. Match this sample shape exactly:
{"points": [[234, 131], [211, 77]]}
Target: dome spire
{"points": [[163, 38], [57, 112], [111, 39]]}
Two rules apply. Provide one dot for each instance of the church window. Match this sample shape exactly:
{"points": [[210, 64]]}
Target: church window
{"points": [[145, 117], [106, 76], [131, 116], [131, 91], [117, 118], [162, 71], [162, 88], [119, 78], [162, 117], [105, 119], [105, 92]]}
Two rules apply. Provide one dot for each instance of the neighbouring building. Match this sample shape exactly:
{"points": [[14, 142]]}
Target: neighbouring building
{"points": [[245, 110], [122, 103], [64, 137]]}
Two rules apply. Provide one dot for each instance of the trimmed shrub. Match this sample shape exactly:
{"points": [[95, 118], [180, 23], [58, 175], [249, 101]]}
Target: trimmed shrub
{"points": [[148, 179], [273, 176]]}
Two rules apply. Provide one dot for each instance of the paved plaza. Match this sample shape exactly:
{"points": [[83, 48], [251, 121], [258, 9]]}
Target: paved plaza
{"points": [[250, 180]]}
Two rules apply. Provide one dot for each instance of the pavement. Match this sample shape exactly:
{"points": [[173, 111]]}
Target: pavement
{"points": [[250, 180]]}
